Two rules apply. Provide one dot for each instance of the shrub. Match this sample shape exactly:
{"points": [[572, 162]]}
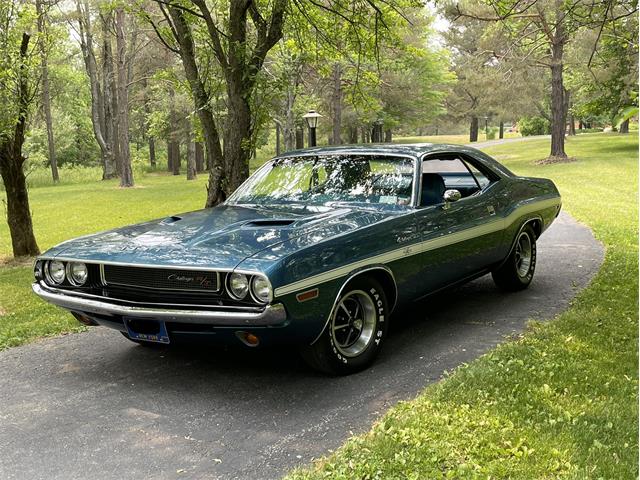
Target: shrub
{"points": [[534, 126], [491, 133]]}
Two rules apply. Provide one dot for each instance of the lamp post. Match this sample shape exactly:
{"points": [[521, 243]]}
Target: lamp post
{"points": [[486, 127], [312, 122]]}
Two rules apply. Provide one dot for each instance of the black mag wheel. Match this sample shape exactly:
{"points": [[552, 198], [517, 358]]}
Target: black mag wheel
{"points": [[355, 332], [517, 271]]}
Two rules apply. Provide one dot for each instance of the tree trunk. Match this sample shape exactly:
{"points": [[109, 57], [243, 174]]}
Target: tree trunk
{"points": [[624, 126], [299, 138], [109, 104], [238, 133], [152, 152], [191, 154], [174, 146], [558, 112], [363, 135], [580, 125], [336, 104], [23, 240], [501, 131], [473, 129], [289, 128], [353, 134], [388, 135], [86, 45], [126, 174], [277, 138], [46, 97], [199, 157], [572, 125], [216, 186], [145, 124], [170, 152]]}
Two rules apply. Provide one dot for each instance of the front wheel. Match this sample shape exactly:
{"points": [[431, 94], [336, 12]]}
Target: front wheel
{"points": [[517, 271], [355, 331]]}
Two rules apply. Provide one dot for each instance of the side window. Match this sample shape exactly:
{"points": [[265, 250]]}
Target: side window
{"points": [[480, 177], [440, 174]]}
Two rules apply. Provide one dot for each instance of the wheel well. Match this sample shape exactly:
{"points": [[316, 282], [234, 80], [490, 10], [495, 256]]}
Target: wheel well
{"points": [[537, 226], [385, 278]]}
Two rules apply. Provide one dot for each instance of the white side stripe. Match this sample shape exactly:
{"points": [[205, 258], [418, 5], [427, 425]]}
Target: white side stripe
{"points": [[444, 240]]}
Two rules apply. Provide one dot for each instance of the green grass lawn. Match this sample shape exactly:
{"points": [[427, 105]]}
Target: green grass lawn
{"points": [[562, 401], [461, 139], [559, 402]]}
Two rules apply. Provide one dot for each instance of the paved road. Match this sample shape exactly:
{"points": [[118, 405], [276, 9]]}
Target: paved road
{"points": [[502, 141], [93, 405]]}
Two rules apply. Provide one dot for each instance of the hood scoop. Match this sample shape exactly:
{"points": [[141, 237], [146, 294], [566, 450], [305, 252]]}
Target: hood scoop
{"points": [[170, 220], [267, 223]]}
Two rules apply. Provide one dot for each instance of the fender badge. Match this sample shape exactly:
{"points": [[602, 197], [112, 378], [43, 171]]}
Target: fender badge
{"points": [[308, 295]]}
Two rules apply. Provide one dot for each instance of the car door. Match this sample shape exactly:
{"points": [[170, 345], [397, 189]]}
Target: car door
{"points": [[457, 239]]}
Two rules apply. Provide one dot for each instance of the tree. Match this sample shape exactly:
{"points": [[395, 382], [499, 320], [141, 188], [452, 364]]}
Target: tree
{"points": [[126, 175], [240, 37], [18, 89], [46, 96], [541, 30], [603, 73], [101, 124]]}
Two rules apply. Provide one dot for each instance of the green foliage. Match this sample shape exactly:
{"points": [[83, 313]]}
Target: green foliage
{"points": [[492, 132], [627, 114], [562, 400], [16, 19], [534, 126]]}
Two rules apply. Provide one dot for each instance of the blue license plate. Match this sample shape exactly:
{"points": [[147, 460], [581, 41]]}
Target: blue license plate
{"points": [[147, 330]]}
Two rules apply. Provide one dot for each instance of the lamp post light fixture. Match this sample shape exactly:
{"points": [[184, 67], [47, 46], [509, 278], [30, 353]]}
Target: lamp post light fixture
{"points": [[311, 118]]}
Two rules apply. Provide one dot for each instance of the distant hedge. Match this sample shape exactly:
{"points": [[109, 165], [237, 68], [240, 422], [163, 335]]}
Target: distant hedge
{"points": [[534, 126]]}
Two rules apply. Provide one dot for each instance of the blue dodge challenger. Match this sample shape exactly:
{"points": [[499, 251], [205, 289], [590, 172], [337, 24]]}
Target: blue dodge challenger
{"points": [[316, 249]]}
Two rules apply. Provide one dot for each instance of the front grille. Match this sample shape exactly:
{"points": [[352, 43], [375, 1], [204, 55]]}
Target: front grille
{"points": [[161, 278]]}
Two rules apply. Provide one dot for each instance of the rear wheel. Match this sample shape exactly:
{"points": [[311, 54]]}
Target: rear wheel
{"points": [[517, 271], [355, 331]]}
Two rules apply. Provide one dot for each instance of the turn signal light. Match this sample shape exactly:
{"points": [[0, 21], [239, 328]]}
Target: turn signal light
{"points": [[249, 339]]}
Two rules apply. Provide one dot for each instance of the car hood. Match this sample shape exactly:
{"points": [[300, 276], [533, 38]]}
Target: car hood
{"points": [[219, 237]]}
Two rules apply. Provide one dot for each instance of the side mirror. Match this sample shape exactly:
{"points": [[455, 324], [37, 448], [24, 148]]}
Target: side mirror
{"points": [[451, 196]]}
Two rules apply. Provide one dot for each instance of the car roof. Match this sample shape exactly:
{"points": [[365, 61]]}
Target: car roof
{"points": [[411, 149]]}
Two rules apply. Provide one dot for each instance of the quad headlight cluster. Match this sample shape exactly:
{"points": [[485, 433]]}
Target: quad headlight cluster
{"points": [[240, 285], [56, 272]]}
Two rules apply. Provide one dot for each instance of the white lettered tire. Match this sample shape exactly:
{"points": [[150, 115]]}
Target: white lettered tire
{"points": [[355, 332]]}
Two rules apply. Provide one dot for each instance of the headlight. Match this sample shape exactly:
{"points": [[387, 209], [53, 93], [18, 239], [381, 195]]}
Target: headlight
{"points": [[261, 289], [238, 285], [77, 273], [55, 272]]}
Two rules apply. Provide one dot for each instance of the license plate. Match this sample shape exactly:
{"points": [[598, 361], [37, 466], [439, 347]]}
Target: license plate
{"points": [[147, 330]]}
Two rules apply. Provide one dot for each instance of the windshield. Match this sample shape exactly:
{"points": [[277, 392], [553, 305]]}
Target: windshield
{"points": [[330, 178]]}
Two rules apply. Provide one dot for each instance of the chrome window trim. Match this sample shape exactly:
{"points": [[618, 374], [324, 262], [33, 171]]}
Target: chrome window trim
{"points": [[415, 158]]}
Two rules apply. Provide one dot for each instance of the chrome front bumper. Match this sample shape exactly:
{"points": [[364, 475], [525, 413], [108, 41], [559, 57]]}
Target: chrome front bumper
{"points": [[271, 315]]}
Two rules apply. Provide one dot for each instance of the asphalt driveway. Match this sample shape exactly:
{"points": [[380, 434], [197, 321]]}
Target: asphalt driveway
{"points": [[94, 405]]}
